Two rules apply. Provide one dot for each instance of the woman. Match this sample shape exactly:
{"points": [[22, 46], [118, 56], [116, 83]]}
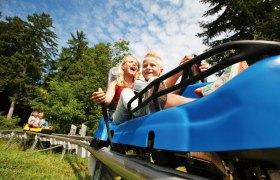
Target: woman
{"points": [[128, 72]]}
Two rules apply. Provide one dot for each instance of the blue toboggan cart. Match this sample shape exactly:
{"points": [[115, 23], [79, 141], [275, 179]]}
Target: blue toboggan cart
{"points": [[233, 131]]}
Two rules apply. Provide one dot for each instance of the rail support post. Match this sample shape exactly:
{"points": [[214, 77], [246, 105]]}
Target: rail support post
{"points": [[91, 164], [35, 142], [97, 170], [63, 151], [11, 138], [21, 143]]}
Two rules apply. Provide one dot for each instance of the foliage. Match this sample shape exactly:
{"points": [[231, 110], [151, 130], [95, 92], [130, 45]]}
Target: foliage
{"points": [[66, 64], [240, 20], [66, 95], [34, 77], [9, 124], [119, 50], [15, 164], [27, 49], [60, 106]]}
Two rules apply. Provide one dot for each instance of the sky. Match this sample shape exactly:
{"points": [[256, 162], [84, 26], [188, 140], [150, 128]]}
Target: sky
{"points": [[168, 27]]}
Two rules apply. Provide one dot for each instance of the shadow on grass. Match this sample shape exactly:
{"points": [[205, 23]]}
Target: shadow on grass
{"points": [[79, 166]]}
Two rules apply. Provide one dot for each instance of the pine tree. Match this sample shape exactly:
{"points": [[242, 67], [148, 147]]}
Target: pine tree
{"points": [[26, 50], [241, 20], [80, 70]]}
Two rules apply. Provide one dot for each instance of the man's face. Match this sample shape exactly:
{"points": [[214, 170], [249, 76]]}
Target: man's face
{"points": [[151, 68], [35, 114]]}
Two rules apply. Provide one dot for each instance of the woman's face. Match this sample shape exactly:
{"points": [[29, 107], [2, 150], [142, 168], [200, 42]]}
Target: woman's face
{"points": [[130, 67]]}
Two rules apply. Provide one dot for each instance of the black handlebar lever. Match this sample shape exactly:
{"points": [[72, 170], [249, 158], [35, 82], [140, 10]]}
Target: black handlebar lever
{"points": [[106, 119]]}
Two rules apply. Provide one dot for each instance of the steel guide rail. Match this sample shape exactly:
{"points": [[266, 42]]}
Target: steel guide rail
{"points": [[126, 167]]}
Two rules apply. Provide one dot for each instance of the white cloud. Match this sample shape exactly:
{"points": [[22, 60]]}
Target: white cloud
{"points": [[154, 27], [168, 27], [170, 31]]}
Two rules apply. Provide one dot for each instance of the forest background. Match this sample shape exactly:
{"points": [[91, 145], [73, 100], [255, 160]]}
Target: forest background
{"points": [[36, 75]]}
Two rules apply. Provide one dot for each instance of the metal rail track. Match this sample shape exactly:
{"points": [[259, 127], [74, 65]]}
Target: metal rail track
{"points": [[126, 167]]}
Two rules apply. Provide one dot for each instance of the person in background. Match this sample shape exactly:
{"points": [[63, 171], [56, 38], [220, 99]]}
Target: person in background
{"points": [[33, 119], [42, 122]]}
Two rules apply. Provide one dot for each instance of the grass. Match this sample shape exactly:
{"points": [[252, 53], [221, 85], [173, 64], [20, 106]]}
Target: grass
{"points": [[19, 164]]}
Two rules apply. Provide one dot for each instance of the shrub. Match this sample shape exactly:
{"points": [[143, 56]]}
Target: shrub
{"points": [[9, 124]]}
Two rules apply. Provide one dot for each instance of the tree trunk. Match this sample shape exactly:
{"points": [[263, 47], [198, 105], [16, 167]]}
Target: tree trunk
{"points": [[12, 107], [11, 110]]}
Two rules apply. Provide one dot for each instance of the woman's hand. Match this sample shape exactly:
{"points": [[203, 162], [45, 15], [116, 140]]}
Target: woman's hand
{"points": [[98, 96]]}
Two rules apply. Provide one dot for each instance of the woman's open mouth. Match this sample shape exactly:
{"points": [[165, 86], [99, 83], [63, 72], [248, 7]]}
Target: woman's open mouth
{"points": [[133, 69]]}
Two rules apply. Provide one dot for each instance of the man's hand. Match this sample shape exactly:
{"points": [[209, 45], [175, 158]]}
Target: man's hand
{"points": [[204, 66], [186, 58]]}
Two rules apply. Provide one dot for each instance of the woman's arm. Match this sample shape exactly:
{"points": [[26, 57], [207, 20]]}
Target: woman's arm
{"points": [[100, 96], [110, 93]]}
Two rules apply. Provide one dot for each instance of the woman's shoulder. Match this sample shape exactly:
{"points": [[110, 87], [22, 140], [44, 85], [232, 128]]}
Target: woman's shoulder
{"points": [[118, 85], [113, 86], [114, 83]]}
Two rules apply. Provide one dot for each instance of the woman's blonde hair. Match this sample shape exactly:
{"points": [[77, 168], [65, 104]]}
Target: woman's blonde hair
{"points": [[155, 56], [120, 74]]}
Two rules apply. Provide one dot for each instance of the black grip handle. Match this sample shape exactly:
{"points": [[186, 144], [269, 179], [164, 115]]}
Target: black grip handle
{"points": [[106, 119]]}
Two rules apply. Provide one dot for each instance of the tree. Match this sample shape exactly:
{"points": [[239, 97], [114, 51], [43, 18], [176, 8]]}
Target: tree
{"points": [[26, 50], [119, 50], [77, 45], [43, 40], [66, 64], [79, 71], [59, 105], [241, 20]]}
